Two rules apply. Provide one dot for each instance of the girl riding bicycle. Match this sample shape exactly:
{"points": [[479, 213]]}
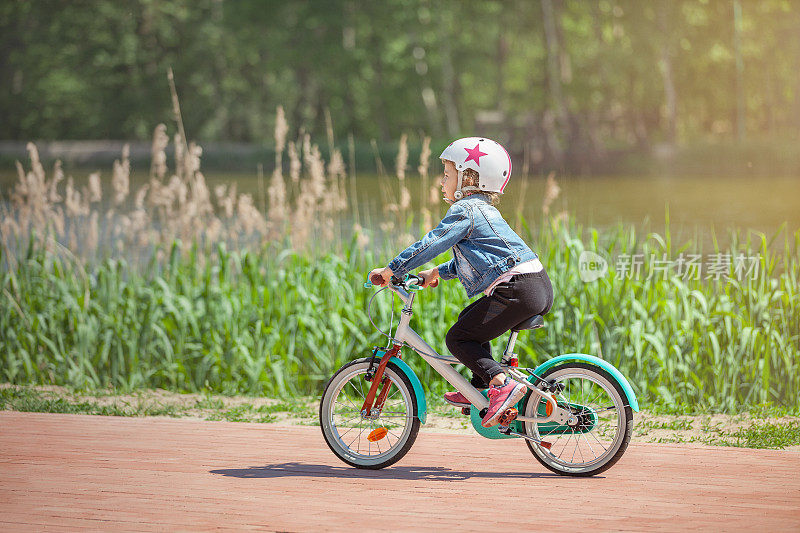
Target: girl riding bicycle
{"points": [[488, 257]]}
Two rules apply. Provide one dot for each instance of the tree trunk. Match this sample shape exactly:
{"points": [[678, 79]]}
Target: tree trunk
{"points": [[670, 96], [796, 98], [502, 55], [379, 104], [449, 93], [427, 92], [554, 80], [741, 118]]}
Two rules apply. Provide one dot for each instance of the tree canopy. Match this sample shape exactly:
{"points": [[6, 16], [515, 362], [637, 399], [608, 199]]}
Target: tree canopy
{"points": [[564, 76]]}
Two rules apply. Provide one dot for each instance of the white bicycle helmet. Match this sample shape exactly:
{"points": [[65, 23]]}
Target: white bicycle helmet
{"points": [[483, 155]]}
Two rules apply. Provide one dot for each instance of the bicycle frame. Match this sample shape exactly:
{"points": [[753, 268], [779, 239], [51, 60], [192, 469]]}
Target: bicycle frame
{"points": [[405, 335]]}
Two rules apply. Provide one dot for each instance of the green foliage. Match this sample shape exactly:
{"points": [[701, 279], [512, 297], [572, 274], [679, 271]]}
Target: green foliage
{"points": [[765, 435], [726, 431], [279, 323], [675, 424], [33, 401], [612, 73], [144, 403]]}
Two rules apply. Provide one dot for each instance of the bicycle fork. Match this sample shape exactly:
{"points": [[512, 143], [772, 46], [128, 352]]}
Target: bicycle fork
{"points": [[375, 400]]}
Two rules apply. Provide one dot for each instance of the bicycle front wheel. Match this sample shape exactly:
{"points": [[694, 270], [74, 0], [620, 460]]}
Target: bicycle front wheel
{"points": [[374, 440], [599, 431]]}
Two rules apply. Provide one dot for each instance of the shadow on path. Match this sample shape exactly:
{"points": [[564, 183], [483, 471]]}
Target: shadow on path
{"points": [[434, 473]]}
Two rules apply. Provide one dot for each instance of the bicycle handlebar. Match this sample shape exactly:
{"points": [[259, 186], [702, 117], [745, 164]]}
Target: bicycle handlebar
{"points": [[405, 282]]}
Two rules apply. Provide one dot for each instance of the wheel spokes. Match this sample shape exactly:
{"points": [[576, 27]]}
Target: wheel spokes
{"points": [[346, 416], [598, 417]]}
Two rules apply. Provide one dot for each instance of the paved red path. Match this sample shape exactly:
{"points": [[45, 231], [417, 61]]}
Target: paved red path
{"points": [[65, 472]]}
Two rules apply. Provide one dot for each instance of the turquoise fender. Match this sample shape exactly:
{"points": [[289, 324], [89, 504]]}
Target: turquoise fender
{"points": [[416, 384], [605, 365]]}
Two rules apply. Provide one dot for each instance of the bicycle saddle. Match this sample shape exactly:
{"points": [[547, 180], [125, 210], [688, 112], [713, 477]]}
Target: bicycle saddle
{"points": [[536, 321]]}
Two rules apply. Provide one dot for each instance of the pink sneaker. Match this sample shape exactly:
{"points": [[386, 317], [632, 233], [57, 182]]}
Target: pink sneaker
{"points": [[500, 399], [457, 399]]}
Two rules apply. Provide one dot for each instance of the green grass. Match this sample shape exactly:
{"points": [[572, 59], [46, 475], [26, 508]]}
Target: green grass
{"points": [[209, 407], [238, 413], [264, 413], [303, 411], [765, 435], [33, 401], [277, 323], [675, 424]]}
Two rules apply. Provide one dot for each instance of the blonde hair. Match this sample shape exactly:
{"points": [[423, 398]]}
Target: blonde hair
{"points": [[471, 178]]}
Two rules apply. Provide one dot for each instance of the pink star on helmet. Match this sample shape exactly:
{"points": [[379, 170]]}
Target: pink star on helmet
{"points": [[475, 154]]}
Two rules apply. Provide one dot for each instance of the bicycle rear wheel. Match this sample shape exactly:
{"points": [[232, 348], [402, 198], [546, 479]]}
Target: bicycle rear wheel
{"points": [[601, 428], [368, 441]]}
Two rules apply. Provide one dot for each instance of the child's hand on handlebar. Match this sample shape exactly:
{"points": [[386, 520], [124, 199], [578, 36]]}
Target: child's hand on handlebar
{"points": [[380, 276], [431, 277]]}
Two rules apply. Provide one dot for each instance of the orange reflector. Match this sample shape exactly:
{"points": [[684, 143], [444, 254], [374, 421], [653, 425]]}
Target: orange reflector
{"points": [[548, 409], [377, 434], [546, 445]]}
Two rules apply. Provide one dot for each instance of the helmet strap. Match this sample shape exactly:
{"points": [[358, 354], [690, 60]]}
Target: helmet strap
{"points": [[459, 192], [458, 195]]}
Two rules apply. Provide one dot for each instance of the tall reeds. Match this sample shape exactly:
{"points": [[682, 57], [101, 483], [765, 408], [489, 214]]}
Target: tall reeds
{"points": [[178, 205], [168, 285], [265, 322]]}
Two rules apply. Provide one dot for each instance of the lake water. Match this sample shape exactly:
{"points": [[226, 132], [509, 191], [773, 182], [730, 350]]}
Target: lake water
{"points": [[696, 203]]}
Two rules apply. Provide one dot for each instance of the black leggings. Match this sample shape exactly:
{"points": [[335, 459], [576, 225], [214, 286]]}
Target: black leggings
{"points": [[487, 318]]}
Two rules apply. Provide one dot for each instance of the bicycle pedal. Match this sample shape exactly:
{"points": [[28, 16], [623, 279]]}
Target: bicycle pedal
{"points": [[465, 411], [508, 416]]}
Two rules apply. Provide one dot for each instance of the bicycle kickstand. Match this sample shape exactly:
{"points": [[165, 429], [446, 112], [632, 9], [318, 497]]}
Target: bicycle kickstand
{"points": [[505, 430]]}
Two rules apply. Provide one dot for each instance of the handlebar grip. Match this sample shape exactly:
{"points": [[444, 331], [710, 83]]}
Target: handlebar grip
{"points": [[377, 279], [434, 284]]}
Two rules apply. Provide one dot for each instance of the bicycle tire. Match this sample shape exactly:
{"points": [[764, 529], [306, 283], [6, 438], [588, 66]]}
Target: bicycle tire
{"points": [[330, 429], [621, 437]]}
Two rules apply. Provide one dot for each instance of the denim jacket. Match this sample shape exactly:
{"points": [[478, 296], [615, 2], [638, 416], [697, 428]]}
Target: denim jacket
{"points": [[484, 246]]}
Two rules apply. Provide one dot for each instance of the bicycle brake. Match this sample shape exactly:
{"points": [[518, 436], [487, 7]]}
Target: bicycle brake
{"points": [[373, 362], [555, 387], [550, 386]]}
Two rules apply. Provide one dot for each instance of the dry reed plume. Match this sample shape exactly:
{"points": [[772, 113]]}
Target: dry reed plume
{"points": [[176, 206], [426, 199], [277, 187], [163, 210], [398, 202], [551, 192]]}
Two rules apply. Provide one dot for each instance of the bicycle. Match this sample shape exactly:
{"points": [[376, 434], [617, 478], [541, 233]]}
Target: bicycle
{"points": [[576, 418]]}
